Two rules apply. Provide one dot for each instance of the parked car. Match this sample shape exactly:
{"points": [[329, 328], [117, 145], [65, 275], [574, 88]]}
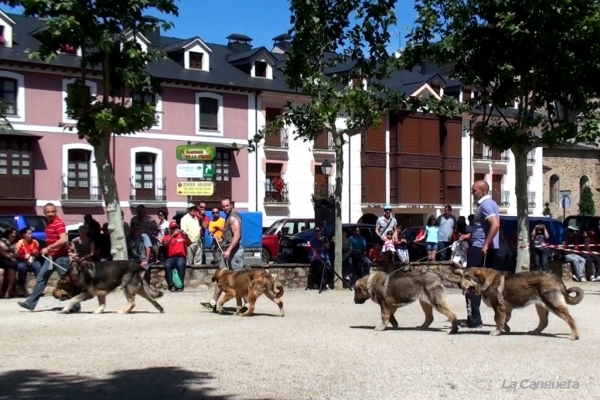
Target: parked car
{"points": [[36, 222], [588, 223], [279, 228], [296, 248]]}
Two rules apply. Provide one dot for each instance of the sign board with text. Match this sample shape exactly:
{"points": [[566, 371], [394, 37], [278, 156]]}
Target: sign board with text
{"points": [[195, 153], [204, 188], [198, 170]]}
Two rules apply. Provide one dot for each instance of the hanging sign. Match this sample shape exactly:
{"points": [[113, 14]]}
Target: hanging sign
{"points": [[204, 188], [195, 153]]}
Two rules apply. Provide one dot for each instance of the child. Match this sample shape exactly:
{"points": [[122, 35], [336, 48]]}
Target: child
{"points": [[432, 231], [459, 253], [375, 254], [388, 247]]}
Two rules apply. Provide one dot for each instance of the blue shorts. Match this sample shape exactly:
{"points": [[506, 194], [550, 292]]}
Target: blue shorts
{"points": [[431, 246]]}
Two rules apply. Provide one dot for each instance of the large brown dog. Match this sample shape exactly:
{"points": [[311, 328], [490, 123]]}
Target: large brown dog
{"points": [[401, 288], [506, 291], [84, 280], [251, 283]]}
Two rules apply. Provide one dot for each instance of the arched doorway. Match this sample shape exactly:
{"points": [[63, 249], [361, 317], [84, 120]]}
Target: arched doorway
{"points": [[368, 219]]}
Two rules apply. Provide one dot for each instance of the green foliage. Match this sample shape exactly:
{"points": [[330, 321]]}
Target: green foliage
{"points": [[103, 30], [547, 212], [542, 53], [586, 202], [334, 43]]}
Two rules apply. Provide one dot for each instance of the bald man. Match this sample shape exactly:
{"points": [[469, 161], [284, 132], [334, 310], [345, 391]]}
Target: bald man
{"points": [[484, 242]]}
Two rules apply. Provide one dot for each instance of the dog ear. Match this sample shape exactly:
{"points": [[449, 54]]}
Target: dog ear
{"points": [[486, 278]]}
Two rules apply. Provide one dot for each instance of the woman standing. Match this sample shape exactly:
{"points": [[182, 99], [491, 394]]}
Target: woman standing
{"points": [[8, 262], [27, 251], [163, 226]]}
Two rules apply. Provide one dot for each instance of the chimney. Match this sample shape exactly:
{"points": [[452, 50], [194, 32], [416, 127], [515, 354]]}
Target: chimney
{"points": [[281, 43], [239, 43]]}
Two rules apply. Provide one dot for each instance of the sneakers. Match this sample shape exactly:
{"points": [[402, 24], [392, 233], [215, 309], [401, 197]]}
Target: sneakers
{"points": [[210, 305], [593, 279], [582, 279], [25, 305], [467, 324]]}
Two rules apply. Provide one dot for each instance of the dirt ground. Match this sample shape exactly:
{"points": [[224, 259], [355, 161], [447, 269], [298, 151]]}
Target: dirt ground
{"points": [[324, 348]]}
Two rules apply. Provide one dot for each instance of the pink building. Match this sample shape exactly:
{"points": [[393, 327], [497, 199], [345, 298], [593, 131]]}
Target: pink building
{"points": [[210, 94]]}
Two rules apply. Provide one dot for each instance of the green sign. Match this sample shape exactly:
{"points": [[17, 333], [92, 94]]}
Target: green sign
{"points": [[208, 171], [195, 153], [196, 170]]}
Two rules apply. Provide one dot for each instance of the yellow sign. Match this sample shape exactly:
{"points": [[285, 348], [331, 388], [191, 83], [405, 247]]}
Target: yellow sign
{"points": [[195, 188]]}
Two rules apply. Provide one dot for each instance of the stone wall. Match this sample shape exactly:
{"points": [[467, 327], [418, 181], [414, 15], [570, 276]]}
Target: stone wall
{"points": [[298, 276], [570, 165]]}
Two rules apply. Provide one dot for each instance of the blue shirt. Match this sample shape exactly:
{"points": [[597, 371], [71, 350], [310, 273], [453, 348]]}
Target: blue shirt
{"points": [[359, 244], [433, 232], [486, 208]]}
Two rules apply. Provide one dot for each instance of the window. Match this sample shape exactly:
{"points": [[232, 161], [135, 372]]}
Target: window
{"points": [[90, 87], [144, 97], [554, 189], [209, 114], [14, 157], [275, 186], [2, 39], [8, 95], [321, 183], [260, 69], [196, 59], [145, 176], [222, 160], [68, 49], [78, 174]]}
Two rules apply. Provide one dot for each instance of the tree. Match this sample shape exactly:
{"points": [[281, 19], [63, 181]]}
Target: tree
{"points": [[547, 212], [337, 58], [586, 202], [105, 31], [533, 65]]}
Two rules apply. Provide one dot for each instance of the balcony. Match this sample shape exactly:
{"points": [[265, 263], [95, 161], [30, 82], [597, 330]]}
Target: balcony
{"points": [[78, 192], [531, 157], [323, 143], [278, 141], [505, 199], [531, 199], [483, 156], [276, 194], [324, 191], [150, 193]]}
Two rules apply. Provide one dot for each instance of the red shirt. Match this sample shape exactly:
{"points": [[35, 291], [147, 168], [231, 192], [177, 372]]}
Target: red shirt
{"points": [[53, 231], [176, 247]]}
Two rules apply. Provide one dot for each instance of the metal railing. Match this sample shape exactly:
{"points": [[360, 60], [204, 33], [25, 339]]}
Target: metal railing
{"points": [[531, 157], [531, 199], [278, 140], [505, 199], [78, 189], [148, 190], [274, 196], [505, 156], [325, 192], [319, 145]]}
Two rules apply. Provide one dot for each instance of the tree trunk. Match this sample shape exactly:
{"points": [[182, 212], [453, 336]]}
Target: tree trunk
{"points": [[523, 256], [108, 185], [339, 174]]}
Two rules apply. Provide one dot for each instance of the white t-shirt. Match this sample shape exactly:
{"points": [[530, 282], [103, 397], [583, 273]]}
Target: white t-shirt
{"points": [[459, 249]]}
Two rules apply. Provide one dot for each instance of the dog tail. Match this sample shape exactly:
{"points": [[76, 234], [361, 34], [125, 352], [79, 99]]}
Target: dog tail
{"points": [[152, 292], [276, 283], [572, 300]]}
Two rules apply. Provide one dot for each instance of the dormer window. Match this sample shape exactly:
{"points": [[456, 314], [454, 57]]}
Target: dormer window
{"points": [[2, 39], [196, 59], [68, 49], [260, 69]]}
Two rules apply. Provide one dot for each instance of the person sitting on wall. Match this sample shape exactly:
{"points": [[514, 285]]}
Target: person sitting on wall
{"points": [[139, 248], [175, 243]]}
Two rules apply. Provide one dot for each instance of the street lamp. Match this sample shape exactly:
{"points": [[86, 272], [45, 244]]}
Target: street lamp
{"points": [[326, 168]]}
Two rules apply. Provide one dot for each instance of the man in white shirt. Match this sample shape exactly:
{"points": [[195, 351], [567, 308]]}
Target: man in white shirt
{"points": [[190, 226]]}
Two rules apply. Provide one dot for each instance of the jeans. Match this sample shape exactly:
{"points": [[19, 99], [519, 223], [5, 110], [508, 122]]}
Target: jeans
{"points": [[177, 263], [541, 258], [578, 262], [476, 258], [360, 265], [43, 276], [22, 271]]}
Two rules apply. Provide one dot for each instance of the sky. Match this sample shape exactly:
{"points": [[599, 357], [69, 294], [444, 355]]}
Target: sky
{"points": [[262, 20]]}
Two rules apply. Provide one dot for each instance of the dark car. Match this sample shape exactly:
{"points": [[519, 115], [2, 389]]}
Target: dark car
{"points": [[296, 248]]}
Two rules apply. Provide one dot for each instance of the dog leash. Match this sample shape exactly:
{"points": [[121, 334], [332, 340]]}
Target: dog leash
{"points": [[49, 259], [221, 250], [419, 260]]}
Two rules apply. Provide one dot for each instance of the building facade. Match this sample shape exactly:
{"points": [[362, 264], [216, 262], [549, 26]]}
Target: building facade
{"points": [[571, 168]]}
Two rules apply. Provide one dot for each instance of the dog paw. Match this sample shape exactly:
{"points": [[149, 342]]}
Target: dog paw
{"points": [[380, 328], [495, 333], [453, 331], [65, 310], [574, 337], [506, 328], [99, 311]]}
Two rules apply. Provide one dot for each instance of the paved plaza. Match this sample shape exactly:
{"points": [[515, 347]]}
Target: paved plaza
{"points": [[325, 348]]}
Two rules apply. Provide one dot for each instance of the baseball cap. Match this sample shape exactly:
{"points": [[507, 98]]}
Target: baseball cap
{"points": [[387, 207], [173, 225], [191, 205]]}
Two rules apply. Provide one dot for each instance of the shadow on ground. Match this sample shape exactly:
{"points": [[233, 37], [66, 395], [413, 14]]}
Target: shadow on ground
{"points": [[140, 384]]}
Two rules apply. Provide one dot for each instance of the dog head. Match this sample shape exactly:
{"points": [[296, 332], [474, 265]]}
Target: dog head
{"points": [[72, 283], [219, 273], [478, 279], [361, 291]]}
